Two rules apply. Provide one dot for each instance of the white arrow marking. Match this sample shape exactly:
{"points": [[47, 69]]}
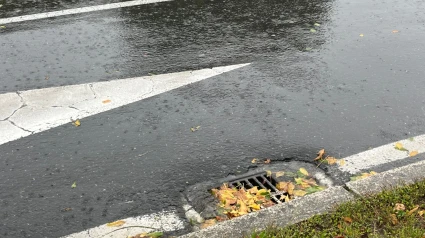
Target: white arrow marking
{"points": [[28, 112]]}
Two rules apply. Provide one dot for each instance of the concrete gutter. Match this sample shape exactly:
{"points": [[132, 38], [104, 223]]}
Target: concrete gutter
{"points": [[318, 203]]}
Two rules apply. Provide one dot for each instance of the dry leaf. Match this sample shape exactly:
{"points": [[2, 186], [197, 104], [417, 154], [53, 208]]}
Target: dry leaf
{"points": [[361, 35], [267, 161], [304, 171], [348, 219], [207, 223], [331, 160], [287, 198], [421, 213], [395, 31], [320, 154], [399, 146], [116, 223], [76, 123], [106, 101], [413, 153], [341, 162], [291, 187], [280, 174], [413, 210], [282, 186], [141, 235], [254, 161], [299, 193], [399, 207], [269, 173], [394, 219], [193, 129], [74, 185]]}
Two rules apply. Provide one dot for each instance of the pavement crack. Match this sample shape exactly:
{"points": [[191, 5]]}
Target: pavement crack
{"points": [[13, 123], [13, 113], [72, 107], [92, 90]]}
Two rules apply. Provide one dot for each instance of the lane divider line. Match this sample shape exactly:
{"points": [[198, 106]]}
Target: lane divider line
{"points": [[77, 11]]}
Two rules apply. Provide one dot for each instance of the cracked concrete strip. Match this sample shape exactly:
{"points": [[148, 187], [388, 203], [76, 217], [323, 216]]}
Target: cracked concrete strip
{"points": [[280, 215], [41, 109], [10, 103], [13, 132], [389, 179], [162, 221]]}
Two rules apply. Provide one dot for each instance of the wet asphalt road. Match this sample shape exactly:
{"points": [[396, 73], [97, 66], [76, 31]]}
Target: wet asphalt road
{"points": [[347, 94]]}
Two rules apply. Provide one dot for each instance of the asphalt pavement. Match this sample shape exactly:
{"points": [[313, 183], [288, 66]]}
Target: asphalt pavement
{"points": [[340, 75]]}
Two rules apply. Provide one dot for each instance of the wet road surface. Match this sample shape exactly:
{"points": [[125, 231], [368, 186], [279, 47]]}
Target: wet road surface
{"points": [[304, 91]]}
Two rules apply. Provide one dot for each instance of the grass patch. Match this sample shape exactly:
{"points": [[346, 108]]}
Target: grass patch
{"points": [[393, 213]]}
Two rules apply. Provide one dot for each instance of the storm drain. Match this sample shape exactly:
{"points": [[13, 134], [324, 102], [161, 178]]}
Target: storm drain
{"points": [[259, 180]]}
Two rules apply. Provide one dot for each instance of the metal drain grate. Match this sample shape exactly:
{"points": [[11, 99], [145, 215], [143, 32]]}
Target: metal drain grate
{"points": [[260, 180]]}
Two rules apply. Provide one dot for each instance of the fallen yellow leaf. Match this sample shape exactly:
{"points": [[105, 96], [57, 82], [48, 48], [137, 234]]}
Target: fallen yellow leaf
{"points": [[413, 210], [361, 35], [282, 186], [331, 160], [341, 162], [116, 223], [421, 213], [399, 207], [193, 129], [348, 219], [268, 173], [395, 31], [280, 174], [76, 123], [320, 154], [254, 161], [253, 190], [106, 101], [394, 219], [287, 198], [299, 193], [207, 223], [267, 161], [413, 153], [304, 171], [291, 187]]}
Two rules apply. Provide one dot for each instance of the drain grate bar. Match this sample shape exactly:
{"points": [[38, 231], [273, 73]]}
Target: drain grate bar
{"points": [[261, 181]]}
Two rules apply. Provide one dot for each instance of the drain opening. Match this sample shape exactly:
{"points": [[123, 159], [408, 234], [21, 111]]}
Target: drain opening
{"points": [[259, 180]]}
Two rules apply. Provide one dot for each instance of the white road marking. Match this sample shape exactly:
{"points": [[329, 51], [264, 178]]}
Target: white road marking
{"points": [[163, 221], [382, 155], [77, 11], [28, 112]]}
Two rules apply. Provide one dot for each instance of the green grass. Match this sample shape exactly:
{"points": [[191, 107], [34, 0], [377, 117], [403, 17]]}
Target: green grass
{"points": [[364, 217]]}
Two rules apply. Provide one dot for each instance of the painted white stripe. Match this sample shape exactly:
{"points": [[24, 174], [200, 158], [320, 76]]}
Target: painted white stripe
{"points": [[163, 221], [77, 11], [27, 112], [382, 155]]}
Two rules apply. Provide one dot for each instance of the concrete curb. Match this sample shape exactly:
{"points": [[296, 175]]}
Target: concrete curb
{"points": [[279, 215], [389, 179], [318, 203]]}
